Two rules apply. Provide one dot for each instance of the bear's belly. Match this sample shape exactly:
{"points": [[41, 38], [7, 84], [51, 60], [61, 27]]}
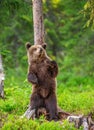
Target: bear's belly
{"points": [[44, 92]]}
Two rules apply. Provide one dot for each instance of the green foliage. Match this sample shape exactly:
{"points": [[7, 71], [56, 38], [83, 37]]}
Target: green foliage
{"points": [[16, 123], [89, 13], [16, 21]]}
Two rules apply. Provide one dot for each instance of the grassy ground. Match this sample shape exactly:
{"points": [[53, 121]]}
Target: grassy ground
{"points": [[73, 98]]}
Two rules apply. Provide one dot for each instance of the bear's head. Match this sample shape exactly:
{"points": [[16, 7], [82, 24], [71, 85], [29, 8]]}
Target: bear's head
{"points": [[35, 53]]}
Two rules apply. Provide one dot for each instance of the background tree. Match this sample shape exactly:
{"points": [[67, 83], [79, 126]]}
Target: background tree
{"points": [[38, 22], [1, 79]]}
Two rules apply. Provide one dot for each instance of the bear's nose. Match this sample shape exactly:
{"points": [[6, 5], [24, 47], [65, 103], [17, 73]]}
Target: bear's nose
{"points": [[40, 49]]}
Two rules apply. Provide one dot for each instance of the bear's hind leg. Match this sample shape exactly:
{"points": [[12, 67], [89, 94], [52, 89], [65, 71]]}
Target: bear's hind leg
{"points": [[36, 102], [51, 106]]}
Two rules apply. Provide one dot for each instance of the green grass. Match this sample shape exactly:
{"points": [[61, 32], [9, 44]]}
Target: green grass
{"points": [[71, 98]]}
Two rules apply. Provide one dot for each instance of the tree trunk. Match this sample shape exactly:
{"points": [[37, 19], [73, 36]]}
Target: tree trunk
{"points": [[1, 79], [38, 22]]}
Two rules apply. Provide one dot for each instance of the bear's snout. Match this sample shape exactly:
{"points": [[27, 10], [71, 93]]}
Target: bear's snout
{"points": [[40, 50]]}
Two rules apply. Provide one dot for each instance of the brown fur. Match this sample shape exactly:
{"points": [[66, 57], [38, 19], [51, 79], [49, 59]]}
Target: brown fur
{"points": [[42, 72]]}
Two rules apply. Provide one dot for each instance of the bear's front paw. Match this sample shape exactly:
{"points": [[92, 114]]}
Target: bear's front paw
{"points": [[53, 69], [53, 62], [32, 78]]}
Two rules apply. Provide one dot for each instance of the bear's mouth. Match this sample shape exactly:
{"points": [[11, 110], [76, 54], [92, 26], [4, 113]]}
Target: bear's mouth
{"points": [[41, 55]]}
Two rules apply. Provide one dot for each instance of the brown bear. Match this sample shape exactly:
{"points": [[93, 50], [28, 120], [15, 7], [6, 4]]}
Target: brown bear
{"points": [[42, 72]]}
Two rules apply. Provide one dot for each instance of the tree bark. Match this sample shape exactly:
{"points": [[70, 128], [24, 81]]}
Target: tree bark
{"points": [[38, 22], [1, 79]]}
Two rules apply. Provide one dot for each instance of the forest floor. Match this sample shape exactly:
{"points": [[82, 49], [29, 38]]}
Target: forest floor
{"points": [[74, 99]]}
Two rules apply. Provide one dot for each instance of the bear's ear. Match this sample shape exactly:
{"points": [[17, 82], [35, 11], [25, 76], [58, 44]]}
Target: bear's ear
{"points": [[27, 45], [44, 45]]}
